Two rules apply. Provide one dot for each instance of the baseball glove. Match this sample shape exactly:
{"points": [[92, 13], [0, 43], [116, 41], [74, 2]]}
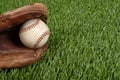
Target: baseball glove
{"points": [[13, 54]]}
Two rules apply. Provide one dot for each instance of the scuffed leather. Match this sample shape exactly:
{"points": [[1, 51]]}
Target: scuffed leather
{"points": [[22, 14], [13, 54]]}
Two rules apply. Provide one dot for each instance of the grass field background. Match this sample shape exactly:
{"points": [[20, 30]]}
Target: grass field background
{"points": [[84, 42]]}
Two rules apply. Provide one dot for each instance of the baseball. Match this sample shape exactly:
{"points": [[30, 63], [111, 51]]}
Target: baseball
{"points": [[34, 33]]}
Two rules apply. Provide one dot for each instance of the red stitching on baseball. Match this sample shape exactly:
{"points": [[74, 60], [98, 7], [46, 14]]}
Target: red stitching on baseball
{"points": [[41, 37], [29, 27]]}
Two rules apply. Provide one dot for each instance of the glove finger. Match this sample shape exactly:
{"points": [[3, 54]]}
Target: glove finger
{"points": [[22, 14]]}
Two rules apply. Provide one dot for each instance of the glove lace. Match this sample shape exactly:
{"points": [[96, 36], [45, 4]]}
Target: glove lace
{"points": [[3, 18]]}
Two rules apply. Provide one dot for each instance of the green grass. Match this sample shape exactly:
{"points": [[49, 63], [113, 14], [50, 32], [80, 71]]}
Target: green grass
{"points": [[84, 41]]}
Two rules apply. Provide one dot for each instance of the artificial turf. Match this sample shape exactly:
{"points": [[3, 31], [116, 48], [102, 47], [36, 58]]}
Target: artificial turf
{"points": [[84, 42]]}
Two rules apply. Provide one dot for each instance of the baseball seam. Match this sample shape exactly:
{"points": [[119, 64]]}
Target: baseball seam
{"points": [[41, 37], [29, 27]]}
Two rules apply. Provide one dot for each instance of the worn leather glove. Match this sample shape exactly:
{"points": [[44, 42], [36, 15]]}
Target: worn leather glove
{"points": [[13, 54]]}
